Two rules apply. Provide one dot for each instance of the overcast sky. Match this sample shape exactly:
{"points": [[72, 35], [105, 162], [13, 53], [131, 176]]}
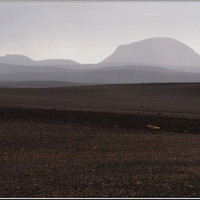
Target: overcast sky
{"points": [[87, 31]]}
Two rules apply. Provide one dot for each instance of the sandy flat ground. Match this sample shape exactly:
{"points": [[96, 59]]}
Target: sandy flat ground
{"points": [[171, 98], [94, 141]]}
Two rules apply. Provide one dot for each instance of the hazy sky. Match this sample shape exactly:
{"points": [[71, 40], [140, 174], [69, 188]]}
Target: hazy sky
{"points": [[89, 31]]}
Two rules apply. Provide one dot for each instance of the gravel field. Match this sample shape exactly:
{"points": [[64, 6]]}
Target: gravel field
{"points": [[93, 146]]}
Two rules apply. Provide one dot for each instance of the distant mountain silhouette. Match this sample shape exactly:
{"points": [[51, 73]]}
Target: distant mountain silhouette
{"points": [[14, 59], [57, 62], [155, 51], [105, 75], [152, 60], [17, 60]]}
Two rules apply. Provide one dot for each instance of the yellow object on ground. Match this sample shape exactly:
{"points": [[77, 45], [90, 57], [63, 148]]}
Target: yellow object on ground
{"points": [[152, 127]]}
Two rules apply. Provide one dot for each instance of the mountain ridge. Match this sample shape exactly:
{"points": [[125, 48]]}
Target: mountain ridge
{"points": [[126, 66], [17, 59], [163, 51], [57, 62], [156, 51]]}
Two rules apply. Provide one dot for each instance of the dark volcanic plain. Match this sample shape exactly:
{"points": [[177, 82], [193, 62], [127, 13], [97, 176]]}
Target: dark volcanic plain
{"points": [[93, 141]]}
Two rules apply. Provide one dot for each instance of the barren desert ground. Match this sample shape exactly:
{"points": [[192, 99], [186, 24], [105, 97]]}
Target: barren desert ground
{"points": [[93, 141]]}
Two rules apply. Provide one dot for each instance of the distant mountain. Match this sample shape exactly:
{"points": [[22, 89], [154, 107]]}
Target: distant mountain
{"points": [[152, 60], [57, 62], [22, 60], [155, 51], [17, 60], [105, 75]]}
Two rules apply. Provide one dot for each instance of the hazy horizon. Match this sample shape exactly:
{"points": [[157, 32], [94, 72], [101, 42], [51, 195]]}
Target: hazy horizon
{"points": [[88, 32]]}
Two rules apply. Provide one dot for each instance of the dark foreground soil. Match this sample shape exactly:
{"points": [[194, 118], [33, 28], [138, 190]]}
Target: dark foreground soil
{"points": [[52, 151]]}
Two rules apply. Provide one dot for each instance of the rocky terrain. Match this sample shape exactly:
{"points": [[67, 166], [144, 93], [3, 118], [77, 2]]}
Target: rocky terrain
{"points": [[95, 141]]}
